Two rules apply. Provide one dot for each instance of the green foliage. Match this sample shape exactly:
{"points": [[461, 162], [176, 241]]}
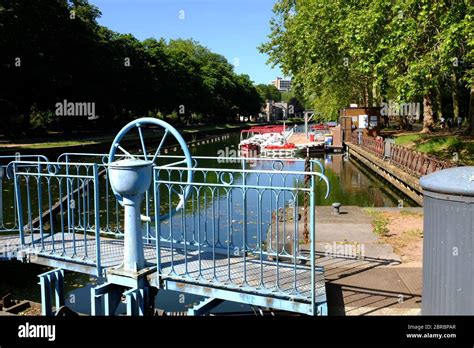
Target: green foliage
{"points": [[436, 145], [414, 233], [367, 51], [269, 92], [379, 222], [40, 120], [287, 95], [81, 61], [295, 120], [407, 138]]}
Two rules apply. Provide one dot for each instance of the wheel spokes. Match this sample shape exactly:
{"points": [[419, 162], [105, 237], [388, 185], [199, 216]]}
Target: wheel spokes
{"points": [[142, 141], [124, 151], [143, 125], [159, 146]]}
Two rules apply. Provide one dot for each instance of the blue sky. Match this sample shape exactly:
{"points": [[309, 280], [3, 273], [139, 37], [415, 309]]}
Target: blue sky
{"points": [[233, 28]]}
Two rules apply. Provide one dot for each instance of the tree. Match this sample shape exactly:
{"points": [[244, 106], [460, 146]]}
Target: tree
{"points": [[247, 98], [424, 41], [63, 53], [340, 52], [295, 108], [37, 41], [269, 92], [320, 43]]}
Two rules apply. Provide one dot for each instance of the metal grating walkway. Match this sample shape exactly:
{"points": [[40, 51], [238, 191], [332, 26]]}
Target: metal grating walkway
{"points": [[194, 266]]}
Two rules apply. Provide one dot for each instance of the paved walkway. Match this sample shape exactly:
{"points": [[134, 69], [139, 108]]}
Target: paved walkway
{"points": [[363, 275]]}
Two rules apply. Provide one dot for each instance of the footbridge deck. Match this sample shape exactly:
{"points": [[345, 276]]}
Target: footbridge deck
{"points": [[279, 286]]}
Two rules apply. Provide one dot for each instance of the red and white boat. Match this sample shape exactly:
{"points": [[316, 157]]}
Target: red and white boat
{"points": [[249, 145], [269, 141]]}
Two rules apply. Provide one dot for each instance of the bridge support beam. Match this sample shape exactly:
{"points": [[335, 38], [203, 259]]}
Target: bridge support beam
{"points": [[204, 307], [48, 281], [105, 299], [138, 301]]}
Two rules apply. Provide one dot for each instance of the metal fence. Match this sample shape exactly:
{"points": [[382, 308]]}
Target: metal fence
{"points": [[57, 209], [416, 163], [413, 162], [239, 227], [8, 206], [373, 145]]}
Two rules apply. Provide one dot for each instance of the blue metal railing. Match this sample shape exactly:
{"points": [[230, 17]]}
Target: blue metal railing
{"points": [[8, 213], [240, 228], [58, 210], [111, 216]]}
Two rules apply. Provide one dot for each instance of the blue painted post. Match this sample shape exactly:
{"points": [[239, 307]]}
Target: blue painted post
{"points": [[134, 258], [1, 196], [97, 219], [105, 298], [142, 300], [244, 223], [45, 296], [130, 178], [312, 203], [147, 212], [19, 205], [55, 278], [40, 206], [29, 210], [156, 191], [131, 296], [68, 194], [96, 302], [108, 304], [59, 288]]}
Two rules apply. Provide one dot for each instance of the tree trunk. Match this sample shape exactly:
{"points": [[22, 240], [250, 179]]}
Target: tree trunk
{"points": [[437, 105], [375, 94], [370, 94], [428, 122], [455, 96], [471, 110], [366, 96]]}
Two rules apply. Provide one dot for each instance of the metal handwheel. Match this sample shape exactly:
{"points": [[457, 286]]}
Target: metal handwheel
{"points": [[140, 124]]}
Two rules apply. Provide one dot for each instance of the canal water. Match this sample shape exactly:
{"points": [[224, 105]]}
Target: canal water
{"points": [[351, 184]]}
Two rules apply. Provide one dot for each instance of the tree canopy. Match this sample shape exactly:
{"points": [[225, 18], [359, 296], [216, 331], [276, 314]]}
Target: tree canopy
{"points": [[368, 51], [269, 92], [54, 50]]}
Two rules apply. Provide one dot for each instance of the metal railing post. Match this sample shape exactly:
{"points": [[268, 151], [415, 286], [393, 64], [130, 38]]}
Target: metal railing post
{"points": [[312, 221], [97, 218], [156, 201], [19, 205]]}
